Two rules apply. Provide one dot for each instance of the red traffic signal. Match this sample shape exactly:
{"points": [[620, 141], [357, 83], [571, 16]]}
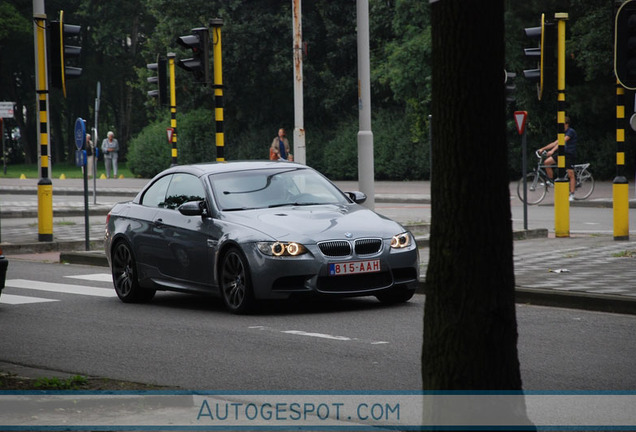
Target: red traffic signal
{"points": [[199, 63]]}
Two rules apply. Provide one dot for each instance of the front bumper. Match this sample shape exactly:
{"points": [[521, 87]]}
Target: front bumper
{"points": [[281, 277]]}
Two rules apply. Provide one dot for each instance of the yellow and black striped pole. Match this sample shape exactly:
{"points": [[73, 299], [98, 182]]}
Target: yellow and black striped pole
{"points": [[45, 185], [216, 24], [621, 186], [173, 107], [562, 183]]}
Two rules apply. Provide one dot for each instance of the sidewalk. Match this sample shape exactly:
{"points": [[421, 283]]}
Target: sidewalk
{"points": [[591, 272]]}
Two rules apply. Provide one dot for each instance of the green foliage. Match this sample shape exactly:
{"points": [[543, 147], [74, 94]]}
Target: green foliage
{"points": [[196, 137], [396, 155], [76, 382], [149, 152], [258, 78]]}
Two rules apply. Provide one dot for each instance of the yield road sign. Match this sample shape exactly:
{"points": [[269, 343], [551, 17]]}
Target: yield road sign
{"points": [[169, 132], [520, 119]]}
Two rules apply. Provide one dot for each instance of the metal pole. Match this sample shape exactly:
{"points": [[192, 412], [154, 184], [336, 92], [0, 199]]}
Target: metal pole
{"points": [[216, 25], [620, 188], [299, 129], [45, 185], [87, 241], [524, 170], [365, 135], [173, 107], [562, 183], [4, 153], [96, 140]]}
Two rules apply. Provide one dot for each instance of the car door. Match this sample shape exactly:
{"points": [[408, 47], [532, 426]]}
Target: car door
{"points": [[146, 239], [185, 253]]}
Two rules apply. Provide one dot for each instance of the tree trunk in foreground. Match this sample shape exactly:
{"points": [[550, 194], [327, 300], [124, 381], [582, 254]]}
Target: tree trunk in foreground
{"points": [[470, 328]]}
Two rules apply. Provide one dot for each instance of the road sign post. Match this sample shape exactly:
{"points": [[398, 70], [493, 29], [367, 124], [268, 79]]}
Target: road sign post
{"points": [[521, 118], [80, 142]]}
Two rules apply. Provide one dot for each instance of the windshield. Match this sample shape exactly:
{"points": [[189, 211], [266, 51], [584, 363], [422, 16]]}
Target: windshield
{"points": [[244, 190]]}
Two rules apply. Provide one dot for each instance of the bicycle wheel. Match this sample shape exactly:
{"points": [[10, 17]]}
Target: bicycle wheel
{"points": [[584, 185], [536, 188]]}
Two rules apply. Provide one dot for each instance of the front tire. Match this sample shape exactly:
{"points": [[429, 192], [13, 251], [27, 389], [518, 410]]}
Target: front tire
{"points": [[124, 269], [236, 283]]}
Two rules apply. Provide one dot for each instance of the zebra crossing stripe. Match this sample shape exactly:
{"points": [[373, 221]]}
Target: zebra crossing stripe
{"points": [[11, 299], [60, 288], [97, 277]]}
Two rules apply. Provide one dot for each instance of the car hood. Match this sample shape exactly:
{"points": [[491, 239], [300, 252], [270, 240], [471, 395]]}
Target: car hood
{"points": [[316, 223]]}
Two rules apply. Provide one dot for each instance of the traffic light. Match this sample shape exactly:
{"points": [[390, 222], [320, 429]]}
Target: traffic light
{"points": [[625, 45], [161, 79], [199, 64], [511, 88], [59, 52], [543, 55]]}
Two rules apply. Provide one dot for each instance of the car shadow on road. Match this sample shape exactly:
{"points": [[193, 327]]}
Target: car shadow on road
{"points": [[292, 306]]}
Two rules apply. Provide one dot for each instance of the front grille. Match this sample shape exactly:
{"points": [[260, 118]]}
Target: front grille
{"points": [[335, 248], [354, 283], [368, 246]]}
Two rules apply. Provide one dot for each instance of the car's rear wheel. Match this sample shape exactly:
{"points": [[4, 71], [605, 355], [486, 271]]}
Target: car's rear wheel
{"points": [[395, 295], [124, 270], [236, 282]]}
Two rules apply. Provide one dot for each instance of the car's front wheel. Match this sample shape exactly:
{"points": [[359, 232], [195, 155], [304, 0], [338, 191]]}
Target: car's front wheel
{"points": [[236, 282], [125, 279]]}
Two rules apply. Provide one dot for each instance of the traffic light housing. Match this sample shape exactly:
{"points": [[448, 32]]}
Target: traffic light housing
{"points": [[625, 45], [59, 51], [543, 55], [511, 88], [199, 63], [161, 79]]}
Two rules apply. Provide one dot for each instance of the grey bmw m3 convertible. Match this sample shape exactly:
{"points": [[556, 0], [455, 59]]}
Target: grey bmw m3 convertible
{"points": [[250, 231]]}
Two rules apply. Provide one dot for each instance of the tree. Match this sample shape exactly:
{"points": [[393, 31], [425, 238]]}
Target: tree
{"points": [[16, 39], [470, 328]]}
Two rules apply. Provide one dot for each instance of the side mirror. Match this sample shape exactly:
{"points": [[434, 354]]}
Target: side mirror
{"points": [[193, 208], [357, 197]]}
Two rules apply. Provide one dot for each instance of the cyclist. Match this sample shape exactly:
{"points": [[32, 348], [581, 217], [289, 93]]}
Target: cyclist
{"points": [[570, 155]]}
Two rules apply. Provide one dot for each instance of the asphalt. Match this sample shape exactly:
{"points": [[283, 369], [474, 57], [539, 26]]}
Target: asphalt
{"points": [[591, 271]]}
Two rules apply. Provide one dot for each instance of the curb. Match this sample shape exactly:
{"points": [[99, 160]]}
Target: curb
{"points": [[63, 212], [568, 300], [576, 300], [95, 258], [54, 246]]}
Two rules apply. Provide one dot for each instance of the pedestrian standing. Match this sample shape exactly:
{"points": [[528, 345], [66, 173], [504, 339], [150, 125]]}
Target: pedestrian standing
{"points": [[279, 150], [110, 148]]}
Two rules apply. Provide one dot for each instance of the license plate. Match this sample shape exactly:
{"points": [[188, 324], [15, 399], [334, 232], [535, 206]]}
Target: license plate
{"points": [[354, 267]]}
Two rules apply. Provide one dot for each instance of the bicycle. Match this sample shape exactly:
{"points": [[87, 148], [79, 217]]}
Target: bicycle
{"points": [[538, 182]]}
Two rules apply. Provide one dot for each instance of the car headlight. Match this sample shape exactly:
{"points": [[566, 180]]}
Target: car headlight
{"points": [[281, 248], [401, 241]]}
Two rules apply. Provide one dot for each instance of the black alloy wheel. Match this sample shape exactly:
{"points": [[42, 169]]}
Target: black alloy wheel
{"points": [[125, 276], [236, 284]]}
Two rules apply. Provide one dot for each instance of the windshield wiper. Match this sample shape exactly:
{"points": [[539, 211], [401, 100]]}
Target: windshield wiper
{"points": [[240, 208], [295, 204]]}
